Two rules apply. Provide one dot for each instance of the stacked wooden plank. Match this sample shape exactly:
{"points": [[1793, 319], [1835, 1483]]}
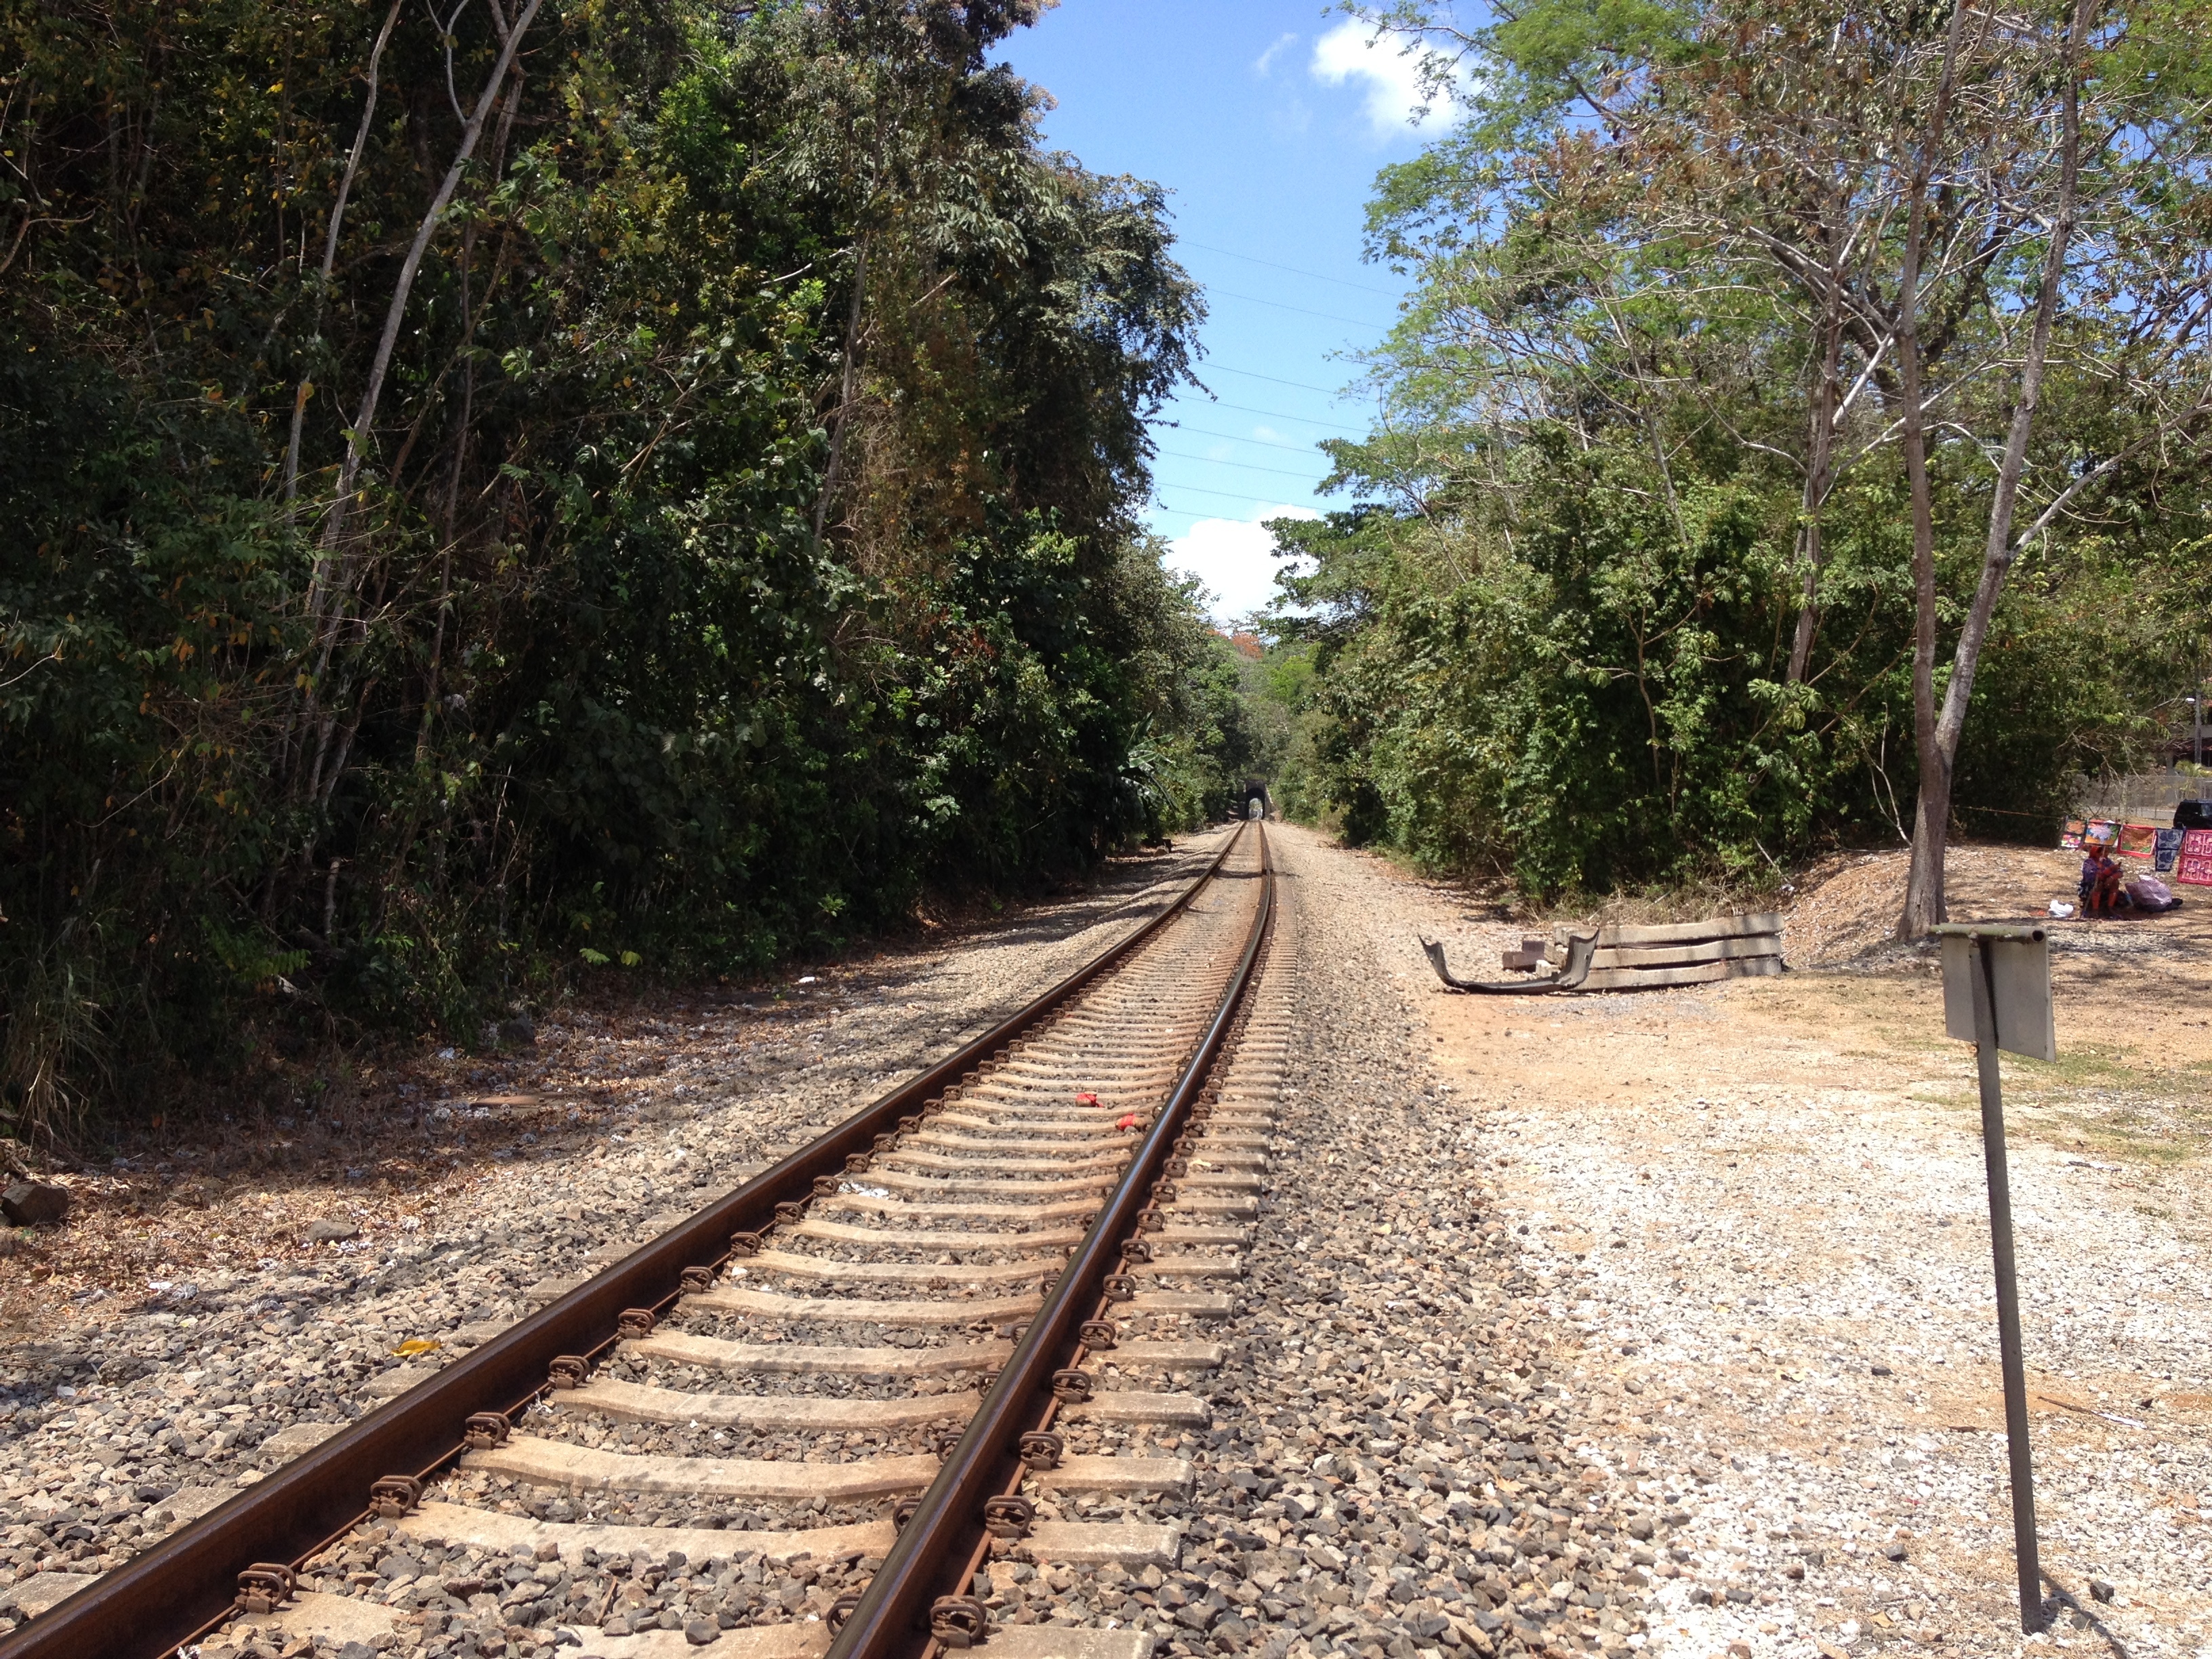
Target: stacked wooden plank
{"points": [[1630, 958]]}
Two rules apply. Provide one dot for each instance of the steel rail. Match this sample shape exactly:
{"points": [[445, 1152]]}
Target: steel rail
{"points": [[937, 1548], [186, 1585]]}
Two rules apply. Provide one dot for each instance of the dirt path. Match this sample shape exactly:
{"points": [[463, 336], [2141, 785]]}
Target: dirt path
{"points": [[1762, 1205]]}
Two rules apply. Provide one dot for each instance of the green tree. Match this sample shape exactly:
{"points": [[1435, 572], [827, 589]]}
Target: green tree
{"points": [[495, 492], [1645, 428], [1961, 210]]}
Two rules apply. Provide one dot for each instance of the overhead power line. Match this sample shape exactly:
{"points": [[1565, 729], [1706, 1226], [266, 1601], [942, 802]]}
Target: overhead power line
{"points": [[1254, 374], [1278, 414], [1211, 460], [1303, 311], [1364, 287], [1239, 438], [1225, 494]]}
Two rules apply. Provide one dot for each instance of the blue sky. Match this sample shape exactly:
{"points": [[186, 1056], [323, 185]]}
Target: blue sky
{"points": [[1267, 121]]}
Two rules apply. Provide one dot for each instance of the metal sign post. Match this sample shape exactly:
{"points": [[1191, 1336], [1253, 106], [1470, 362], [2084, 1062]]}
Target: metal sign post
{"points": [[1997, 995]]}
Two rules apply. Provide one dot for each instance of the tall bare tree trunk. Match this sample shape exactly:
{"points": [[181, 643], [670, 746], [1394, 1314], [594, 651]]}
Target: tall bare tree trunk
{"points": [[1820, 467], [299, 720], [320, 604], [2000, 550], [451, 530], [448, 529], [331, 245], [1923, 893], [1924, 897]]}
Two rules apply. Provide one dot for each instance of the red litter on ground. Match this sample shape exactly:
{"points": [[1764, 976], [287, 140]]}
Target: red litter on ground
{"points": [[1086, 1098], [1128, 1122]]}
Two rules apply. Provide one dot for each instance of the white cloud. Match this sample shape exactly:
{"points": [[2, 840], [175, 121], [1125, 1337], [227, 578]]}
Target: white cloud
{"points": [[1393, 77], [1235, 558], [1266, 60]]}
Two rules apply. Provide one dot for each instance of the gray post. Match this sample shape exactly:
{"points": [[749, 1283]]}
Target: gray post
{"points": [[2009, 1339]]}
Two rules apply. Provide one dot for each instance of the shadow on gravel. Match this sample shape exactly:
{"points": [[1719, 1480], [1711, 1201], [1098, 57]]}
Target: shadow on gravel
{"points": [[2062, 1602], [310, 1166]]}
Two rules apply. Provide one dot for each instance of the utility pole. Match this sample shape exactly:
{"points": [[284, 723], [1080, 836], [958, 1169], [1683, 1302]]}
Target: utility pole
{"points": [[2196, 719]]}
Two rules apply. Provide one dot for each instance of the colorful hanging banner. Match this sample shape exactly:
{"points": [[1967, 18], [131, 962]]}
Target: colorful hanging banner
{"points": [[2070, 836], [2194, 864], [2167, 849], [2138, 839]]}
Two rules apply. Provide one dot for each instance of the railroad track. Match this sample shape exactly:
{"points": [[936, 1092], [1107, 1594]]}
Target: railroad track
{"points": [[910, 1388]]}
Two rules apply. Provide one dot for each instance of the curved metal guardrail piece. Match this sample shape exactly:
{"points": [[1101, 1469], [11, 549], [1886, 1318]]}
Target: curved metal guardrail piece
{"points": [[1581, 949]]}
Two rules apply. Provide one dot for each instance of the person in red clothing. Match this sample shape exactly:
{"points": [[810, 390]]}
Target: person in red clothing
{"points": [[2100, 880]]}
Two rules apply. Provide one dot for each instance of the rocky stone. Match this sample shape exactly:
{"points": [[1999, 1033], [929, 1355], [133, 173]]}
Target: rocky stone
{"points": [[390, 1384], [190, 1502], [324, 1229], [34, 1203]]}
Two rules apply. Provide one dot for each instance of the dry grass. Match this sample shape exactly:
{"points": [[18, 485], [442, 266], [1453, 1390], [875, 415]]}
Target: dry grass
{"points": [[1690, 901], [52, 1033]]}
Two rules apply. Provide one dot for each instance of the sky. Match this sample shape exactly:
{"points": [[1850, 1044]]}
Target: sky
{"points": [[1267, 121]]}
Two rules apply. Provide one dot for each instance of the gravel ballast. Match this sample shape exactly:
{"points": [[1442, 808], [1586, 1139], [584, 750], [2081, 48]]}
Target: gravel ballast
{"points": [[1655, 1323], [136, 1404], [1397, 1464]]}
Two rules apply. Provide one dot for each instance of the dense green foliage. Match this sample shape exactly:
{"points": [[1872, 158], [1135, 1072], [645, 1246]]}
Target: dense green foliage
{"points": [[739, 538], [1553, 641], [1206, 732]]}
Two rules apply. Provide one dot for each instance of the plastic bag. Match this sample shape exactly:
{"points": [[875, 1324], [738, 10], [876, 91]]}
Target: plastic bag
{"points": [[2149, 893]]}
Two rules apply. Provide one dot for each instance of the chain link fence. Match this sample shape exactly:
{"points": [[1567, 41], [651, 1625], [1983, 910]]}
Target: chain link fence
{"points": [[2143, 797]]}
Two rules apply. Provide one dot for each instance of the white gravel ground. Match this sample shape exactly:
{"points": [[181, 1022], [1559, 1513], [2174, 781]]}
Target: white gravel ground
{"points": [[1767, 1258]]}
